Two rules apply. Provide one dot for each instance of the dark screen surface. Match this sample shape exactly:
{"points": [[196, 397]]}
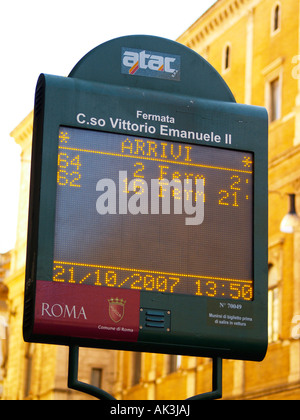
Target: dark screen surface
{"points": [[153, 215]]}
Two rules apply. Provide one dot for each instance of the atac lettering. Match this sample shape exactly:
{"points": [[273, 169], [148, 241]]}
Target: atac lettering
{"points": [[150, 61], [136, 62], [63, 311]]}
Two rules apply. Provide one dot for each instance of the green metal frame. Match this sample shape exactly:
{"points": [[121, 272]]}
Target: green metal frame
{"points": [[95, 87]]}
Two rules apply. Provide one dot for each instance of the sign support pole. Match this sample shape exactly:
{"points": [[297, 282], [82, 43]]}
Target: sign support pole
{"points": [[73, 382], [216, 392]]}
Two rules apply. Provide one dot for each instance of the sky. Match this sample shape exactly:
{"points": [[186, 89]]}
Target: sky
{"points": [[40, 36]]}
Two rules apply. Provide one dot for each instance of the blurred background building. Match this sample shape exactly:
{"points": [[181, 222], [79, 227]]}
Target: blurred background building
{"points": [[255, 46]]}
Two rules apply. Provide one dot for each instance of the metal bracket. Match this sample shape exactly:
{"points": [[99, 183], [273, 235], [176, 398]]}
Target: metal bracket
{"points": [[73, 382], [216, 392]]}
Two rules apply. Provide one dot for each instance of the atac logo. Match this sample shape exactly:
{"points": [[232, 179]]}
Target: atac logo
{"points": [[150, 64], [116, 309]]}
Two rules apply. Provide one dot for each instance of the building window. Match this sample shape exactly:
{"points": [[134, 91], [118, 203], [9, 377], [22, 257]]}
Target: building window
{"points": [[226, 57], [274, 99], [273, 302], [136, 368], [29, 347], [173, 363], [273, 305], [96, 377], [273, 74], [276, 18]]}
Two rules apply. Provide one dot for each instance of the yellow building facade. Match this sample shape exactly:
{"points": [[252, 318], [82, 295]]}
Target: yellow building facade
{"points": [[255, 46], [4, 268]]}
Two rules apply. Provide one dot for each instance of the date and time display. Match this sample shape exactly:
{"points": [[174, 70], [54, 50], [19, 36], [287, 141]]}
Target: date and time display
{"points": [[114, 229]]}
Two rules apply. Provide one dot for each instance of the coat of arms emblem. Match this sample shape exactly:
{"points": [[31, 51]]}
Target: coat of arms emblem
{"points": [[116, 309]]}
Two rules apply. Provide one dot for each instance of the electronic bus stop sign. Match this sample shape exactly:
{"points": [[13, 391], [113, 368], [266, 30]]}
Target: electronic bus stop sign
{"points": [[148, 207]]}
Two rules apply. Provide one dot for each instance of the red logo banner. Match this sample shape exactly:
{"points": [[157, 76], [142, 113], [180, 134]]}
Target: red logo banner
{"points": [[75, 310]]}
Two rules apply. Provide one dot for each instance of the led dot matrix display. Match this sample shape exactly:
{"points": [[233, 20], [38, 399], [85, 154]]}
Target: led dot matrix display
{"points": [[126, 246]]}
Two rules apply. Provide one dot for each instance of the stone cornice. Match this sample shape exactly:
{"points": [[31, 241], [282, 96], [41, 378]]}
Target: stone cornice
{"points": [[216, 20]]}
